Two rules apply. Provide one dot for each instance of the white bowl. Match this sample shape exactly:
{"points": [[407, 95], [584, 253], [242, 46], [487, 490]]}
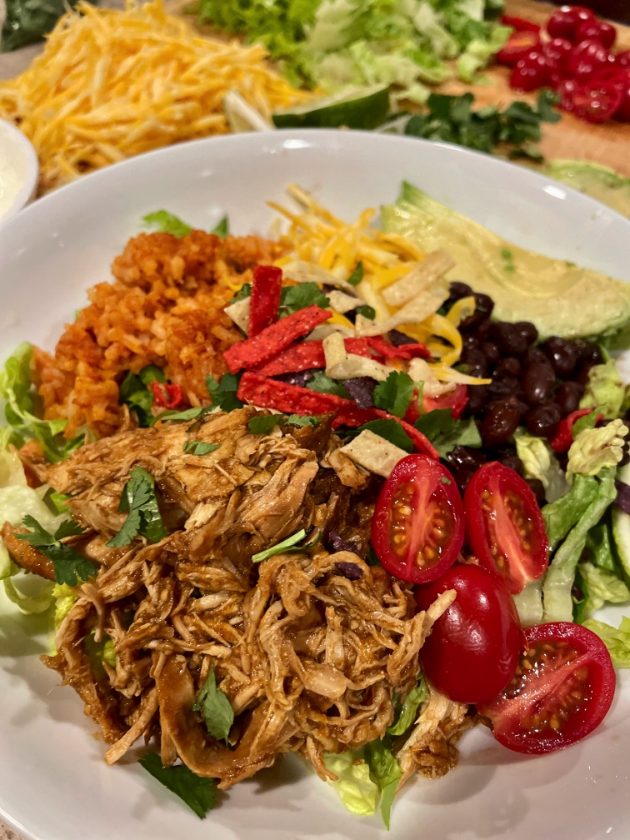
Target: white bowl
{"points": [[19, 170]]}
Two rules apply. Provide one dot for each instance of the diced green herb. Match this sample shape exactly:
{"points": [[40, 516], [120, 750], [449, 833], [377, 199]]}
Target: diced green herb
{"points": [[508, 260], [222, 228], [325, 385], [244, 292], [390, 430], [366, 311], [135, 391], [357, 274], [70, 566], [166, 222], [215, 708], [294, 298], [279, 548], [262, 424], [199, 793], [200, 447], [184, 416], [446, 432], [223, 392], [395, 394], [139, 502]]}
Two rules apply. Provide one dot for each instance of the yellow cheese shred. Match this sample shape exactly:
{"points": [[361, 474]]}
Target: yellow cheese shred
{"points": [[113, 83]]}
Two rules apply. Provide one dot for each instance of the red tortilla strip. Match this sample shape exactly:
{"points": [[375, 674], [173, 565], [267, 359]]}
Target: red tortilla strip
{"points": [[261, 348], [309, 355], [383, 348], [355, 416], [289, 399], [265, 299]]}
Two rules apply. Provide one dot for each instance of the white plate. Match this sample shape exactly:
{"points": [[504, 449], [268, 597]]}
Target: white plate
{"points": [[53, 782]]}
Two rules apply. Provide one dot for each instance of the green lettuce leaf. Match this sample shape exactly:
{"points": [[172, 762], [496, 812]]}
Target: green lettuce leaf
{"points": [[539, 462], [605, 390], [446, 432], [386, 772], [599, 586], [408, 712], [354, 785], [616, 639], [596, 449], [562, 514], [165, 222]]}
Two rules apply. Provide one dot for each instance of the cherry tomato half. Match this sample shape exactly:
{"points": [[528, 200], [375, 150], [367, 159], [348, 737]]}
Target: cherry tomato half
{"points": [[597, 30], [455, 399], [587, 58], [597, 102], [557, 52], [516, 47], [519, 24], [531, 72], [474, 647], [418, 524], [562, 690], [504, 526], [565, 21]]}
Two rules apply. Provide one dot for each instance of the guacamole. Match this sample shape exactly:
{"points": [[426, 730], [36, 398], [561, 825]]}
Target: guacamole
{"points": [[558, 297]]}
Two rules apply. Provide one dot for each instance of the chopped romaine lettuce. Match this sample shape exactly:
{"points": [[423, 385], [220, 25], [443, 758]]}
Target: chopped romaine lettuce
{"points": [[605, 390], [539, 462], [409, 710], [562, 514], [385, 772], [596, 449], [599, 587], [354, 785], [616, 639]]}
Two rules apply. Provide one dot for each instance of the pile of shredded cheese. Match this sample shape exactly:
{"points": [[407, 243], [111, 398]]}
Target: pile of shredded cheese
{"points": [[404, 286], [114, 83]]}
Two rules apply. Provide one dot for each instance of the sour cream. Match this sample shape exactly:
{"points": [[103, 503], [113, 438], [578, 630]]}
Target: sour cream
{"points": [[18, 170]]}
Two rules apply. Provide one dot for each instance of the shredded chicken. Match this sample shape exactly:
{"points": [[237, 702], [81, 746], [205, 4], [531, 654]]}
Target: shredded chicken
{"points": [[312, 647]]}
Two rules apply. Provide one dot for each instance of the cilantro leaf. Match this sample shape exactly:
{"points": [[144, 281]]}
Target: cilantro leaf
{"points": [[70, 566], [215, 708], [367, 311], [385, 772], [195, 413], [264, 423], [223, 392], [325, 385], [166, 222], [200, 794], [293, 298], [446, 432], [139, 502], [357, 274], [244, 292], [222, 228], [279, 548], [395, 394], [200, 447], [390, 430], [56, 501], [135, 391]]}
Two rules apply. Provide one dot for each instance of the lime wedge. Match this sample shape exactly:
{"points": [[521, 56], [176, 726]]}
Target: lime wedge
{"points": [[357, 108]]}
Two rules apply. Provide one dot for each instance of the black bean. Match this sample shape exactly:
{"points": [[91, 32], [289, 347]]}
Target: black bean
{"points": [[483, 310], [562, 355], [539, 490], [510, 340], [499, 422], [567, 396], [587, 351], [528, 331], [458, 290], [535, 354], [464, 463], [538, 382], [509, 366], [542, 419], [512, 461], [476, 361], [504, 386], [398, 338], [491, 352]]}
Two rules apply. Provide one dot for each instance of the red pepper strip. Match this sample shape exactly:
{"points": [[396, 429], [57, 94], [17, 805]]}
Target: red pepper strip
{"points": [[404, 351], [355, 416], [265, 299], [309, 355], [167, 395], [272, 340], [289, 399], [563, 438], [519, 23]]}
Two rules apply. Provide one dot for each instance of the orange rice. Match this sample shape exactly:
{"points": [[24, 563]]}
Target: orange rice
{"points": [[164, 307]]}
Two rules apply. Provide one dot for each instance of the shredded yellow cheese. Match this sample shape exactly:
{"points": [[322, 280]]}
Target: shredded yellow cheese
{"points": [[114, 83]]}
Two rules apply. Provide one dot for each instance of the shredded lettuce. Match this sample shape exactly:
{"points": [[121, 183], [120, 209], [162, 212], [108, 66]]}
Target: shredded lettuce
{"points": [[64, 597], [599, 587], [596, 449], [616, 639], [385, 772], [353, 785], [562, 514], [539, 462], [605, 390]]}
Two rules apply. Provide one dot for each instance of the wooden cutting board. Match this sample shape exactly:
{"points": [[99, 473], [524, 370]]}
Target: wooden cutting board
{"points": [[569, 138]]}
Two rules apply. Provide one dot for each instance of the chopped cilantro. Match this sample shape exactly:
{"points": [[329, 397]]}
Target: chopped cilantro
{"points": [[223, 392], [222, 228], [264, 423], [367, 311], [508, 260], [200, 447], [390, 430], [70, 566], [325, 385], [195, 413], [357, 274], [166, 222], [135, 391], [293, 298], [395, 394], [199, 793], [215, 708], [446, 432], [279, 548], [139, 502], [244, 292]]}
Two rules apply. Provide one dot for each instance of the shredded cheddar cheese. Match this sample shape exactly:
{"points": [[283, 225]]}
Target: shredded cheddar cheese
{"points": [[403, 285], [114, 83]]}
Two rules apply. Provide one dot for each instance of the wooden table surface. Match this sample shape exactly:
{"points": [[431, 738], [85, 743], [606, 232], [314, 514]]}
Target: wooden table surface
{"points": [[570, 138]]}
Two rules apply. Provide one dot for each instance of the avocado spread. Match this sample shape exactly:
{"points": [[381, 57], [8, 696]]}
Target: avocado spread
{"points": [[559, 297]]}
